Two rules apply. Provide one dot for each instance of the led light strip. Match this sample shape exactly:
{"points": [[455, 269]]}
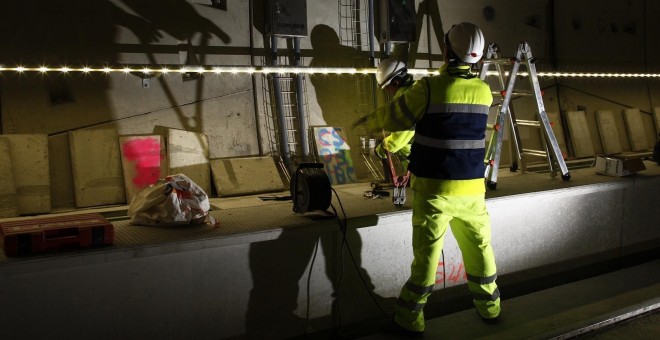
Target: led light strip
{"points": [[289, 69]]}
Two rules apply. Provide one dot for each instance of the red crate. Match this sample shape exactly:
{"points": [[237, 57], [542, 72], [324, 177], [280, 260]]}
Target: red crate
{"points": [[53, 233]]}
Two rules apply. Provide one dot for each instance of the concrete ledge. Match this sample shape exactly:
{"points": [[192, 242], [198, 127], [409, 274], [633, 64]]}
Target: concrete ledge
{"points": [[271, 273]]}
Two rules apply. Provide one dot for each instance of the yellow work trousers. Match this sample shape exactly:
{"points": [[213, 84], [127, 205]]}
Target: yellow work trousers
{"points": [[470, 225]]}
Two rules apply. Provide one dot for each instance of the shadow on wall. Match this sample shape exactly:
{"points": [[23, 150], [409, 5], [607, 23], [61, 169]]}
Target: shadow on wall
{"points": [[84, 32], [281, 279], [342, 98]]}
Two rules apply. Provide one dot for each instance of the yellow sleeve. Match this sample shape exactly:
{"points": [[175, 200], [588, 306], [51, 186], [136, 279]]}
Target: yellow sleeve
{"points": [[402, 112], [397, 140]]}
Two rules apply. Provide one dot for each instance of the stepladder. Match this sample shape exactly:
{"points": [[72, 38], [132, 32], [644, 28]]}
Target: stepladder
{"points": [[507, 72]]}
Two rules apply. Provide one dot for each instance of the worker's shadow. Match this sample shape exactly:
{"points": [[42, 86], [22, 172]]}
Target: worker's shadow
{"points": [[287, 301]]}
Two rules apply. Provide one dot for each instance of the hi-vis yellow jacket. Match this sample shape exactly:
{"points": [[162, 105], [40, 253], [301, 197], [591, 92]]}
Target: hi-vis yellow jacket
{"points": [[449, 113], [399, 140]]}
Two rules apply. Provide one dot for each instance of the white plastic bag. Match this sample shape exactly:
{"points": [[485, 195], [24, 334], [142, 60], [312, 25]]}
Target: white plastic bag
{"points": [[173, 200]]}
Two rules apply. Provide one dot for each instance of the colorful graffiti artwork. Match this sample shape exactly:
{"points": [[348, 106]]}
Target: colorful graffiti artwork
{"points": [[143, 162], [335, 154]]}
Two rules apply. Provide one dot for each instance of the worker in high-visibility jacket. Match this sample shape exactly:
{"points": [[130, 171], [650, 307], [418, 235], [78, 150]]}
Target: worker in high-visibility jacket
{"points": [[449, 112], [392, 76]]}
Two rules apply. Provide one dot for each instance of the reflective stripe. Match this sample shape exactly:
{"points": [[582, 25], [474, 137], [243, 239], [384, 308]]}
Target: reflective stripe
{"points": [[419, 290], [411, 306], [405, 109], [458, 108], [482, 280], [456, 144], [486, 297]]}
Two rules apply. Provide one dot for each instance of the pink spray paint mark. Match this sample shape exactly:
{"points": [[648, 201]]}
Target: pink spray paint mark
{"points": [[145, 152]]}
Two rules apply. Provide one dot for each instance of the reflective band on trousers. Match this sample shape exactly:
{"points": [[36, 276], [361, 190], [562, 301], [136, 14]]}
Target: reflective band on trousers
{"points": [[482, 280], [455, 144], [419, 290], [411, 306], [486, 297], [458, 108]]}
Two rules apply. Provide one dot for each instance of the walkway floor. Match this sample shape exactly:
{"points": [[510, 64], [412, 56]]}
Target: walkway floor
{"points": [[566, 311]]}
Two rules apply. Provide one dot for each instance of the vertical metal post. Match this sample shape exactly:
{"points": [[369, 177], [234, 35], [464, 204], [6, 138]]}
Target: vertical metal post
{"points": [[302, 117], [284, 139], [372, 54]]}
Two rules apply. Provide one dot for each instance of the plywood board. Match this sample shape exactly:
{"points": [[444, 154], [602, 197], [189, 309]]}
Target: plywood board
{"points": [[609, 134], [245, 176], [635, 128], [558, 130], [96, 167], [580, 135], [29, 154], [143, 161], [335, 154], [187, 153], [8, 197], [61, 177]]}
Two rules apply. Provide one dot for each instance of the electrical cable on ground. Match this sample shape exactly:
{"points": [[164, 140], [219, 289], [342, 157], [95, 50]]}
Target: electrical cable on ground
{"points": [[308, 191]]}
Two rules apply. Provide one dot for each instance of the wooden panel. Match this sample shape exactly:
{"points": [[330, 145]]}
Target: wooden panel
{"points": [[29, 153], [609, 134], [580, 136], [96, 167], [334, 152], [245, 176], [187, 153], [143, 160], [8, 198], [558, 130], [635, 128]]}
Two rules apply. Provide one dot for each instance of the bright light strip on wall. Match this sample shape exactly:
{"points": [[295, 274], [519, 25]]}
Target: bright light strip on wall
{"points": [[282, 70]]}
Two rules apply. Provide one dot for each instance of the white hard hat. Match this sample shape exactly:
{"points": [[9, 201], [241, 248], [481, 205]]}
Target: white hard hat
{"points": [[387, 70], [466, 41]]}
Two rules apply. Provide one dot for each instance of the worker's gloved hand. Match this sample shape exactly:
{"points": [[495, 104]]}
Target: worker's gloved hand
{"points": [[380, 151]]}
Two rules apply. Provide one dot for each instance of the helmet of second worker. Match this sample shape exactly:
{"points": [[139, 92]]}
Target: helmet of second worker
{"points": [[465, 43], [389, 69]]}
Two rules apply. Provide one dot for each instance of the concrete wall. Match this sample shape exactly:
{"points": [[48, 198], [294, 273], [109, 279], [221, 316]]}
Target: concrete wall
{"points": [[234, 110]]}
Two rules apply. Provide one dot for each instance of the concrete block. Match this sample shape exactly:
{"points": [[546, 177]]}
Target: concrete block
{"points": [[656, 118], [635, 128], [579, 129], [245, 176], [558, 130], [187, 153], [61, 177], [640, 215], [143, 160], [29, 154], [609, 134], [8, 199], [96, 167]]}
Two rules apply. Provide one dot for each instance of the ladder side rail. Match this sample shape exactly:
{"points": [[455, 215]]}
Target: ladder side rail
{"points": [[483, 74], [491, 53], [515, 147], [499, 127], [545, 122]]}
